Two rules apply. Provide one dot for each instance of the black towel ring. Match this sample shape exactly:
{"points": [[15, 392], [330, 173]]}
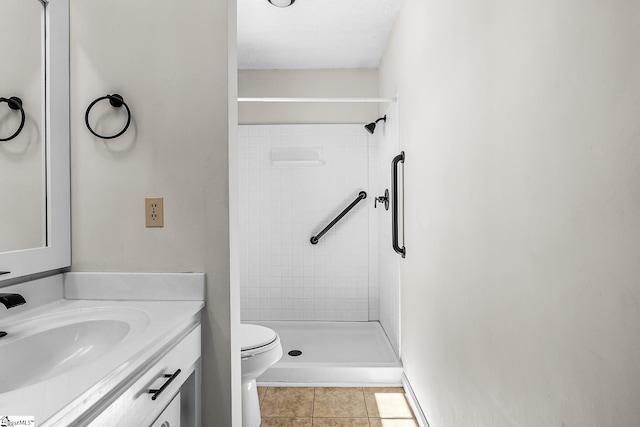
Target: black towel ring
{"points": [[15, 103], [116, 101]]}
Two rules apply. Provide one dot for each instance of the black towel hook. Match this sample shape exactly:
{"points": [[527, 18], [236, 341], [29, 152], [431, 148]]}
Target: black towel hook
{"points": [[116, 101], [15, 103]]}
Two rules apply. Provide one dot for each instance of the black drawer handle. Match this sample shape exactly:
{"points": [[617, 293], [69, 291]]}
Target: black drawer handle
{"points": [[156, 392]]}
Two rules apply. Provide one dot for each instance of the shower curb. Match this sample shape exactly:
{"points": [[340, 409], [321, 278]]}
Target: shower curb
{"points": [[297, 373]]}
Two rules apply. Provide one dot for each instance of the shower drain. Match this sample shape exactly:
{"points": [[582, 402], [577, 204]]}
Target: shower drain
{"points": [[294, 353]]}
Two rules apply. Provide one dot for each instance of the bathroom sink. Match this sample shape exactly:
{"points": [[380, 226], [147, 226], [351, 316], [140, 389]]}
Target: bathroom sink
{"points": [[36, 350]]}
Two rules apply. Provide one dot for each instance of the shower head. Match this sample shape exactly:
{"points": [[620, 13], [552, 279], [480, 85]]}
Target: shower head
{"points": [[371, 127]]}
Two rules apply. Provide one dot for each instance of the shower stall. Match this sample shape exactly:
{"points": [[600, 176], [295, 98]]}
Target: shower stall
{"points": [[317, 262]]}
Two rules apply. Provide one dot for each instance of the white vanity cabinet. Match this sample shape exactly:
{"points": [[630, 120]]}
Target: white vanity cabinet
{"points": [[170, 417], [108, 353], [176, 399]]}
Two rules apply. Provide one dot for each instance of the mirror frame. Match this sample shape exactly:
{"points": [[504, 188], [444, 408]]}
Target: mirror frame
{"points": [[57, 252]]}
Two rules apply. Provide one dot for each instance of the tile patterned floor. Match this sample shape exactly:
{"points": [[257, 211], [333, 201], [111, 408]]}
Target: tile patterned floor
{"points": [[335, 407]]}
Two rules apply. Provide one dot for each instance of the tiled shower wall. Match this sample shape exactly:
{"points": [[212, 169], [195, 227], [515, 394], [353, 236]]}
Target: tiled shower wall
{"points": [[284, 276], [388, 267]]}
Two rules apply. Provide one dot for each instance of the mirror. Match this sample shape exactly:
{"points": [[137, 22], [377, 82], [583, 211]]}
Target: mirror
{"points": [[36, 238], [22, 137]]}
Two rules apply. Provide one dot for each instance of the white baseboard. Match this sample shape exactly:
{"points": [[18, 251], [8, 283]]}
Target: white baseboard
{"points": [[413, 401]]}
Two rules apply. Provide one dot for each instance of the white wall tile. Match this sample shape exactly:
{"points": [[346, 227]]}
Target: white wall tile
{"points": [[281, 207], [388, 265]]}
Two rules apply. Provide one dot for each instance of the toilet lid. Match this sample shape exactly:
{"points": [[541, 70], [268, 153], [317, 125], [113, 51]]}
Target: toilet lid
{"points": [[255, 336]]}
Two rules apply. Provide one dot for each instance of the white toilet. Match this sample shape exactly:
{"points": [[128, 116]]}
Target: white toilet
{"points": [[260, 349]]}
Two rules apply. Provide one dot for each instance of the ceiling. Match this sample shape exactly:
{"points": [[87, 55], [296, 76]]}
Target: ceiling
{"points": [[314, 33]]}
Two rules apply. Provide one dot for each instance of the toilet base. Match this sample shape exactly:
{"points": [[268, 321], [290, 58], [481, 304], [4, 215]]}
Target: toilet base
{"points": [[250, 405]]}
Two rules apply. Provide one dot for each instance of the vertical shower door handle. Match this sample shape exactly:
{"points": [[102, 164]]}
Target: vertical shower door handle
{"points": [[394, 210]]}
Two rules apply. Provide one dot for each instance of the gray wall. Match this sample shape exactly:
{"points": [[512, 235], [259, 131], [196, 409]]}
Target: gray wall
{"points": [[170, 62], [520, 287]]}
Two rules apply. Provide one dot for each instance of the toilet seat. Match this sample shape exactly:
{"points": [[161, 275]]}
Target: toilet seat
{"points": [[256, 339]]}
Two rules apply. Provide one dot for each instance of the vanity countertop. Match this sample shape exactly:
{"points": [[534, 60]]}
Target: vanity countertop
{"points": [[64, 394]]}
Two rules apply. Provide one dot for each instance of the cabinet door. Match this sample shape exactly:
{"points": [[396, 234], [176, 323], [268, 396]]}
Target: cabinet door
{"points": [[170, 417]]}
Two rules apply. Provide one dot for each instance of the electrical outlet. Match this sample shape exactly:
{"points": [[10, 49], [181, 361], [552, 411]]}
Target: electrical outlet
{"points": [[154, 212]]}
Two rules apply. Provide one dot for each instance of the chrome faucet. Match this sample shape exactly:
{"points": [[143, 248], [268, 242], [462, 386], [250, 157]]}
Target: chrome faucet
{"points": [[12, 300]]}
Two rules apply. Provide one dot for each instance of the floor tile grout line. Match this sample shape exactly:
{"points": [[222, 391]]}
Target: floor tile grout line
{"points": [[263, 395], [366, 407], [364, 400], [313, 408], [366, 404]]}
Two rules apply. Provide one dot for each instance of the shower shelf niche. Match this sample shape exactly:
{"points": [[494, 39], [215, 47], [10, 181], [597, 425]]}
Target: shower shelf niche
{"points": [[297, 157]]}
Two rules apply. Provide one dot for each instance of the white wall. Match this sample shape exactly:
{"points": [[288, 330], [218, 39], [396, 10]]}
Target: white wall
{"points": [[520, 287], [324, 83], [284, 276], [22, 172], [169, 61]]}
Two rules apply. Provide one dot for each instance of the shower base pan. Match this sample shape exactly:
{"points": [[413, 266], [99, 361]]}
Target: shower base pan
{"points": [[332, 353]]}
